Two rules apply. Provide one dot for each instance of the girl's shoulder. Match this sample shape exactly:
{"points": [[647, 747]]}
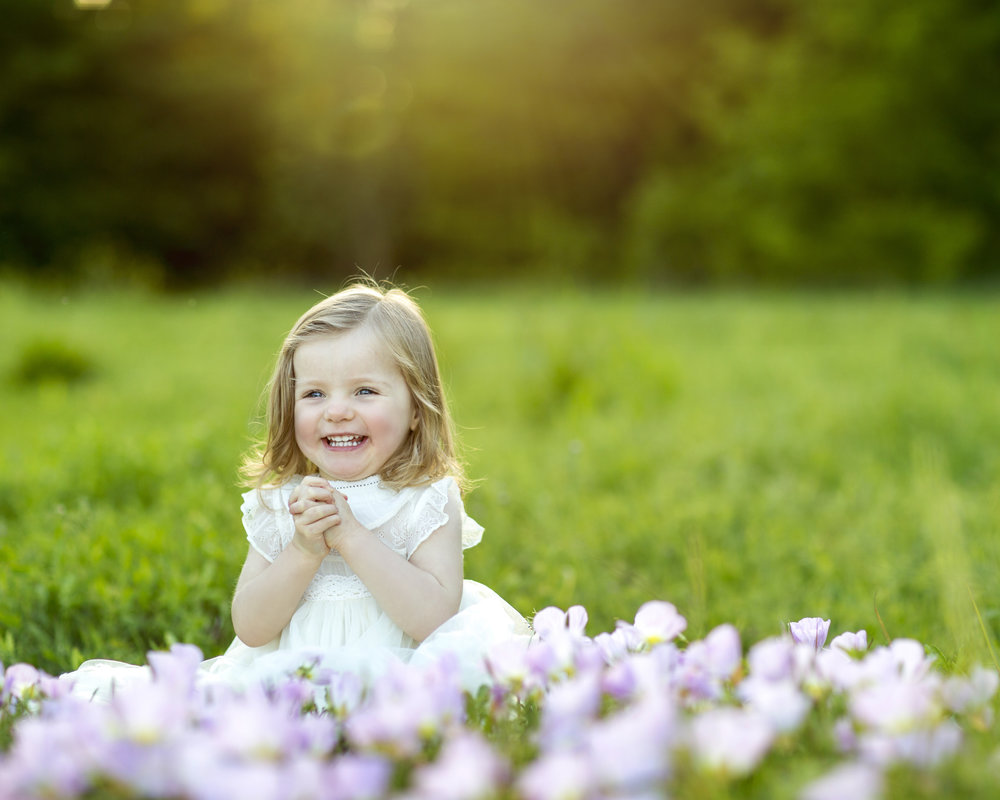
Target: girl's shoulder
{"points": [[430, 506], [437, 492]]}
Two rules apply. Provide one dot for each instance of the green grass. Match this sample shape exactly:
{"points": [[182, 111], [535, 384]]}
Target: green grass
{"points": [[752, 458]]}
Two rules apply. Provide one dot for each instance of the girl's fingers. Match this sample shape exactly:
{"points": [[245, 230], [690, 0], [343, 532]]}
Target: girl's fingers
{"points": [[315, 493], [302, 506], [310, 486], [304, 497], [315, 513], [315, 483]]}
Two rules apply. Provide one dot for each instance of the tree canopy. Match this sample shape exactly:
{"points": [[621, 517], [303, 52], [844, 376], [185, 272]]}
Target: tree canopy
{"points": [[767, 141]]}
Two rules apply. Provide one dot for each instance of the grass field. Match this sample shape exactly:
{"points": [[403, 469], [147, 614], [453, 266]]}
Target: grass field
{"points": [[753, 459]]}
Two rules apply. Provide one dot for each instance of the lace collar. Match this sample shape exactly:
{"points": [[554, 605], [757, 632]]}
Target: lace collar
{"points": [[372, 503]]}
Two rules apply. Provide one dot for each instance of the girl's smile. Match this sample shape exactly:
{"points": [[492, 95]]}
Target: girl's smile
{"points": [[353, 409]]}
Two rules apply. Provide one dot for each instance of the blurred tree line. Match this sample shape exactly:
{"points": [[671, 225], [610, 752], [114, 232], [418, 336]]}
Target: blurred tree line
{"points": [[778, 141]]}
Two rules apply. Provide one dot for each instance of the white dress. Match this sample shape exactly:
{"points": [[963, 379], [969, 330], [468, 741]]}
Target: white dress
{"points": [[338, 624]]}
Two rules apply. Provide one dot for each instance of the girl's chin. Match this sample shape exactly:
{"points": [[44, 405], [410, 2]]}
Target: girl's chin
{"points": [[344, 476], [347, 464]]}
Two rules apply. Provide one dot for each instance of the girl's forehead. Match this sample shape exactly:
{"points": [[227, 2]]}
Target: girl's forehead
{"points": [[358, 348]]}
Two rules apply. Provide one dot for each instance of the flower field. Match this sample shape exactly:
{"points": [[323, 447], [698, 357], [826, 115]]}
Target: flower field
{"points": [[636, 713]]}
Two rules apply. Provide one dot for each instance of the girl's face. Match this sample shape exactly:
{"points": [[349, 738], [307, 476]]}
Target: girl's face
{"points": [[353, 409]]}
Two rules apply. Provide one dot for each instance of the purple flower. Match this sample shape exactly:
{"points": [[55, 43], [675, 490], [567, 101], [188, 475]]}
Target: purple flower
{"points": [[852, 643], [49, 757], [782, 703], [344, 691], [642, 673], [909, 658], [252, 730], [21, 683], [218, 779], [656, 622], [619, 680], [928, 747], [569, 707], [546, 661], [706, 664], [296, 693], [148, 713], [810, 630], [358, 777], [557, 776], [559, 656], [589, 658], [723, 651], [408, 706], [844, 735], [696, 683], [962, 695], [730, 740], [614, 646], [838, 669], [507, 664], [554, 623], [177, 667], [303, 776], [904, 659], [25, 684], [631, 751], [895, 706], [856, 781], [467, 769], [772, 659], [562, 646], [201, 768]]}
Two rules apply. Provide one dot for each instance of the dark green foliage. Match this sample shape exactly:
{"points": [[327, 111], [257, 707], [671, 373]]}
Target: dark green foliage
{"points": [[851, 145], [51, 360], [726, 141], [121, 128]]}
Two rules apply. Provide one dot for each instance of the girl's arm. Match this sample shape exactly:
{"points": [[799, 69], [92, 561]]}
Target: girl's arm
{"points": [[267, 593]]}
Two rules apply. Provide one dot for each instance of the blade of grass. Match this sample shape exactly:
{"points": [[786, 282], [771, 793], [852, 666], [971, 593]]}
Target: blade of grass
{"points": [[881, 624], [982, 626]]}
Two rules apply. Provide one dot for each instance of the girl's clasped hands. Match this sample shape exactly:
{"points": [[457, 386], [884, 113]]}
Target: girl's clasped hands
{"points": [[322, 516]]}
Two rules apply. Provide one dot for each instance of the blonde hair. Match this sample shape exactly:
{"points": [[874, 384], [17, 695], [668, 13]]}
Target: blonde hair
{"points": [[429, 451]]}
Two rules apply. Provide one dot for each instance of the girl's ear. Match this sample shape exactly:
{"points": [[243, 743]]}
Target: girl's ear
{"points": [[415, 420]]}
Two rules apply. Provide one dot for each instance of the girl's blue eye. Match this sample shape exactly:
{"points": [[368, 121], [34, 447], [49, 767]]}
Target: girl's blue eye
{"points": [[313, 393], [366, 390]]}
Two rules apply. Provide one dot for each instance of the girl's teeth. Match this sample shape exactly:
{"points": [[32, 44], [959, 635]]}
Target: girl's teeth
{"points": [[343, 441]]}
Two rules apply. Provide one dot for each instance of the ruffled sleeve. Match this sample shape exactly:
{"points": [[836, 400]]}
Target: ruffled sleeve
{"points": [[429, 515], [266, 521]]}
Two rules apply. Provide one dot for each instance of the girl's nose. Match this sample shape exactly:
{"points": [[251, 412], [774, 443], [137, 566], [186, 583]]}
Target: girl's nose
{"points": [[338, 410]]}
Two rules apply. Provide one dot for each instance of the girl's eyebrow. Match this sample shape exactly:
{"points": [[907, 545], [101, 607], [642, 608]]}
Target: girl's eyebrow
{"points": [[370, 381], [357, 379]]}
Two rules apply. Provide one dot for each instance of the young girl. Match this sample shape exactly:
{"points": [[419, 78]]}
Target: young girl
{"points": [[355, 520]]}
